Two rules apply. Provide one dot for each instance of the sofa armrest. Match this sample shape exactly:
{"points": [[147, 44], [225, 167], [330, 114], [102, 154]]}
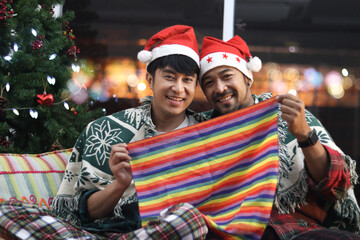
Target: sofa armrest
{"points": [[32, 178]]}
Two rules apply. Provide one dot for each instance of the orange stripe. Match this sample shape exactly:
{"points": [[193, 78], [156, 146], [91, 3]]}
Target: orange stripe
{"points": [[174, 200], [255, 190], [215, 167], [203, 125], [189, 152]]}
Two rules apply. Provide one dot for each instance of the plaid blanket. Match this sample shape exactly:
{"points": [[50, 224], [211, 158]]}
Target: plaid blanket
{"points": [[20, 220]]}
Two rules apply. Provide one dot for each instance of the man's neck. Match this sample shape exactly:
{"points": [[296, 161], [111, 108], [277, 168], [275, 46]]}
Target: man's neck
{"points": [[166, 123]]}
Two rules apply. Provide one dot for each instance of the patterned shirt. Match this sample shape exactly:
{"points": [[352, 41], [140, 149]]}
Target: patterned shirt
{"points": [[88, 171], [297, 195]]}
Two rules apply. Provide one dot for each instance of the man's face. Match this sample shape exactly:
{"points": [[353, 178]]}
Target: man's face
{"points": [[226, 89], [173, 91]]}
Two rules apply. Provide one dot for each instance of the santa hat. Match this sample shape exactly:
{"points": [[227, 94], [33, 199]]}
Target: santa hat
{"points": [[178, 39], [234, 53]]}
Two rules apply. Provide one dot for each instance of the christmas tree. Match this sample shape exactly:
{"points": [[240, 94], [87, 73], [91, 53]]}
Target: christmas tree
{"points": [[39, 112]]}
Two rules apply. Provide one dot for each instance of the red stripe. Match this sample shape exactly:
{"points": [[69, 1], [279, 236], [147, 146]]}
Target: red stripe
{"points": [[253, 191], [262, 210], [196, 150], [238, 179], [28, 164], [174, 200], [239, 228], [12, 169], [27, 172], [204, 125], [215, 167], [249, 228], [46, 162], [61, 157], [201, 195]]}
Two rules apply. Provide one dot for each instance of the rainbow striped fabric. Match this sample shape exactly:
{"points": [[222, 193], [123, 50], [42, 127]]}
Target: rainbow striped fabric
{"points": [[227, 167]]}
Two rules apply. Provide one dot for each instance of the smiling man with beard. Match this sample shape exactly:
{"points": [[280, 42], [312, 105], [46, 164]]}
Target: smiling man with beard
{"points": [[314, 194]]}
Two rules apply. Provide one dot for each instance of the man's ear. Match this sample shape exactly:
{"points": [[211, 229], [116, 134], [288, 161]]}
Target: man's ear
{"points": [[247, 81], [149, 79]]}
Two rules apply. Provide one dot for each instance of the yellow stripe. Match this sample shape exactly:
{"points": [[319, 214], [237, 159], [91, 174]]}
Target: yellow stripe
{"points": [[4, 164], [221, 216], [199, 189], [53, 186], [203, 142], [241, 193], [35, 190], [213, 162], [15, 186]]}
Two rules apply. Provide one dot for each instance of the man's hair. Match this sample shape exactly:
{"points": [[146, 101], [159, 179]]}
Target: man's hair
{"points": [[179, 63]]}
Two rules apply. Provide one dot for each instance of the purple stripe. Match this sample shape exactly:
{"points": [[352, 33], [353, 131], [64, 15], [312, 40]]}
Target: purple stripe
{"points": [[204, 130], [201, 154]]}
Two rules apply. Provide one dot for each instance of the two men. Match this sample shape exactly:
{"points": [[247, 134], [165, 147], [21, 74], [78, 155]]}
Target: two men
{"points": [[314, 174]]}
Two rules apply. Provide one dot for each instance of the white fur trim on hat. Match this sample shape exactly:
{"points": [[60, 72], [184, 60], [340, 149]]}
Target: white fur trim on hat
{"points": [[170, 49], [217, 59]]}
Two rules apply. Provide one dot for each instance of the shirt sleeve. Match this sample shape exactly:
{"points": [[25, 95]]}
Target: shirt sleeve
{"points": [[337, 181], [83, 209]]}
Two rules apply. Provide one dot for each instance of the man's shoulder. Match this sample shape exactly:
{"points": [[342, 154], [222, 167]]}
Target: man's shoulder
{"points": [[131, 116], [262, 97], [203, 116]]}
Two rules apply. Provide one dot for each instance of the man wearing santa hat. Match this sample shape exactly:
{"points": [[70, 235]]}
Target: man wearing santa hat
{"points": [[314, 192], [97, 193]]}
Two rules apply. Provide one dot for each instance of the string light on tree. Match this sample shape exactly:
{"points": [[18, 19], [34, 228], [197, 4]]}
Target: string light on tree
{"points": [[15, 111], [36, 53], [51, 80], [15, 47], [66, 105], [33, 31], [33, 113], [53, 56], [75, 68]]}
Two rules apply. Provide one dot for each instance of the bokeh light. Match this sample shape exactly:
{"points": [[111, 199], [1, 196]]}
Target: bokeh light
{"points": [[141, 86], [313, 77], [334, 83], [345, 72]]}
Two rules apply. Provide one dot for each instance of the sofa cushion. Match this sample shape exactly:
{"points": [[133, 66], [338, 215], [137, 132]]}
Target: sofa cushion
{"points": [[32, 178]]}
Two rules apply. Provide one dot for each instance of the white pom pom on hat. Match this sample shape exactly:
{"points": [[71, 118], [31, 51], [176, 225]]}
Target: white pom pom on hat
{"points": [[144, 56], [254, 64]]}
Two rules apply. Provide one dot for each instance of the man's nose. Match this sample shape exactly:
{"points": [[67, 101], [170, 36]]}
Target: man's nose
{"points": [[220, 86], [178, 86]]}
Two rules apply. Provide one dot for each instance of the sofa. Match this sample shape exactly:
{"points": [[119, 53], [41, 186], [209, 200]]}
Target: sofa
{"points": [[32, 178]]}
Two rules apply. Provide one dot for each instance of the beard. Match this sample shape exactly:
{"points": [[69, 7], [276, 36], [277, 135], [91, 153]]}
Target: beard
{"points": [[224, 108]]}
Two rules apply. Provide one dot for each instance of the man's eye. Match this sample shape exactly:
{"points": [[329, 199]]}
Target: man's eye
{"points": [[169, 77], [208, 83], [189, 79], [227, 76]]}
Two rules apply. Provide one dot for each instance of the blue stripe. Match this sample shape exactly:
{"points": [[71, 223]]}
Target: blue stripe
{"points": [[207, 133], [221, 152], [205, 182]]}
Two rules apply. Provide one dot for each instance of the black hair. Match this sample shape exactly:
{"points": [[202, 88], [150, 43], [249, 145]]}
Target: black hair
{"points": [[180, 63]]}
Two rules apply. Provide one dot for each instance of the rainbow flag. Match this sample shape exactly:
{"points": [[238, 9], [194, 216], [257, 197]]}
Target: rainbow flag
{"points": [[226, 167]]}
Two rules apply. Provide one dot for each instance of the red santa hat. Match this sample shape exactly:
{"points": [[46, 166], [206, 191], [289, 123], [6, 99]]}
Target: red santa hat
{"points": [[234, 53], [178, 39]]}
